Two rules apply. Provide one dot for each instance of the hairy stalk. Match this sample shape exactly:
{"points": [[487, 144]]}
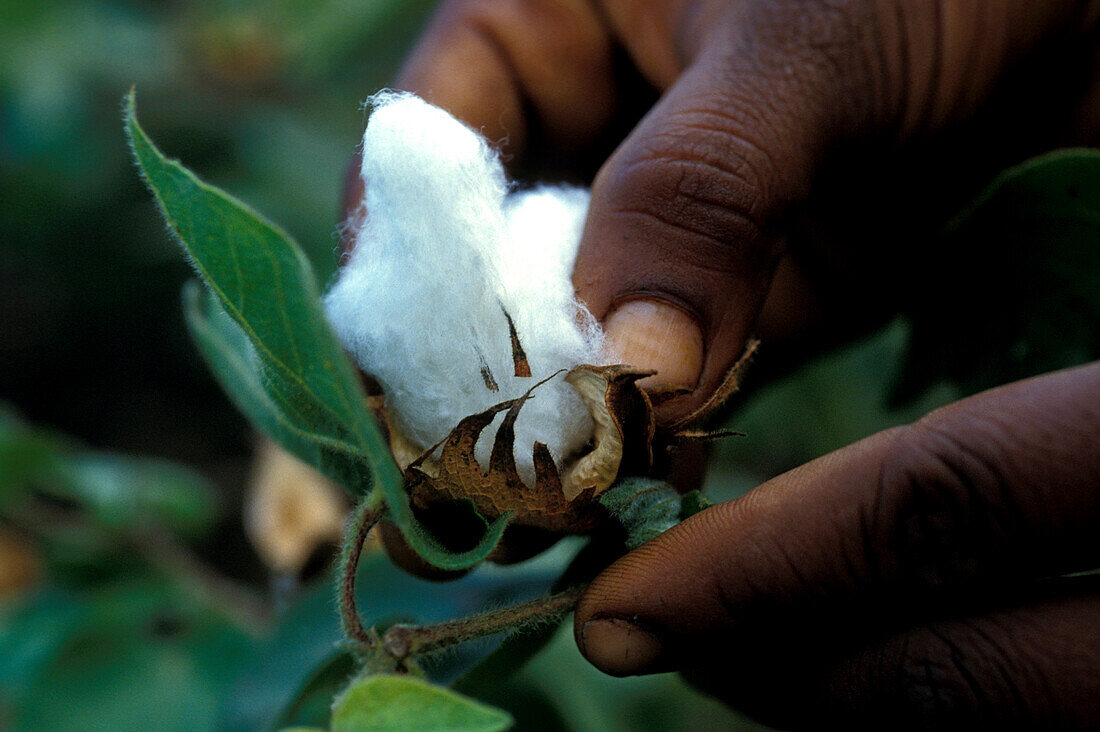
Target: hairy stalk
{"points": [[366, 515], [404, 641]]}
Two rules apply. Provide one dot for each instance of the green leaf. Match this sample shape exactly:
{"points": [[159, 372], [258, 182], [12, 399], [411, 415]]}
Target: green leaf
{"points": [[313, 702], [388, 702], [1017, 292], [645, 507], [264, 283], [122, 491], [27, 455], [118, 490], [266, 337], [231, 357], [136, 654]]}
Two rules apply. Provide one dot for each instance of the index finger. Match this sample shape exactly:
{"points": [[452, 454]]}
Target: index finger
{"points": [[505, 68], [979, 496], [512, 71]]}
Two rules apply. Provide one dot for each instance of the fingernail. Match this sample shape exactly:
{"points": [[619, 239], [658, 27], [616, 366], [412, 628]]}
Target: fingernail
{"points": [[618, 647], [656, 335]]}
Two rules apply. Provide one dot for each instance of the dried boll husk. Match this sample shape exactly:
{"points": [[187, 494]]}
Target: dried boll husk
{"points": [[560, 500], [626, 441]]}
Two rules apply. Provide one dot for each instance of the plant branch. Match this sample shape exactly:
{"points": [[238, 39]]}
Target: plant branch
{"points": [[366, 515], [403, 641]]}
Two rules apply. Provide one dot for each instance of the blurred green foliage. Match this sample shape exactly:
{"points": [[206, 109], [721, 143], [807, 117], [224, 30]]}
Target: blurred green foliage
{"points": [[145, 608], [261, 97]]}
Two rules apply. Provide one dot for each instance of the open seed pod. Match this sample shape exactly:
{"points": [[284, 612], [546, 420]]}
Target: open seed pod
{"points": [[560, 500], [625, 442]]}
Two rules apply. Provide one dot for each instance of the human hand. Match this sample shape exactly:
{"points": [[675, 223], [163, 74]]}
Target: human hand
{"points": [[791, 135], [913, 579], [828, 139]]}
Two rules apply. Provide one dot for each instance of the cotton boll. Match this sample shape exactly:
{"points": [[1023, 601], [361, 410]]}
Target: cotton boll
{"points": [[418, 292], [443, 254], [542, 230]]}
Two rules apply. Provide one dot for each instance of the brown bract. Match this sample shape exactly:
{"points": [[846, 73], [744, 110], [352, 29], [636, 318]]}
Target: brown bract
{"points": [[560, 500]]}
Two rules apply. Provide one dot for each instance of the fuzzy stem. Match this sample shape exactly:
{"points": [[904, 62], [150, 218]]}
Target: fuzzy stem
{"points": [[366, 515], [403, 641]]}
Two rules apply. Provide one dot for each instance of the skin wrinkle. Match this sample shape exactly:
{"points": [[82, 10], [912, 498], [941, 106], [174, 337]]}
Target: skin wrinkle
{"points": [[872, 515], [999, 507], [874, 63], [1040, 680], [1008, 666], [987, 653], [936, 58], [689, 216], [1009, 468], [812, 43], [748, 171], [885, 671], [901, 43], [688, 138], [948, 504], [975, 54], [718, 195], [701, 240], [944, 686]]}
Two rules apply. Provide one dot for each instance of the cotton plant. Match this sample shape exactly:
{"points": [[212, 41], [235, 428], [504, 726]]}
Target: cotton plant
{"points": [[457, 298], [495, 386]]}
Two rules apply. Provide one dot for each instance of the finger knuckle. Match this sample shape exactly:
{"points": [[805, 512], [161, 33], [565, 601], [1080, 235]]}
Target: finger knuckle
{"points": [[702, 184], [830, 51], [959, 675], [941, 515], [558, 23], [933, 681]]}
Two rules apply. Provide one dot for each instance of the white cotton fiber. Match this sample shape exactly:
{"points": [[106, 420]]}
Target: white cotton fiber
{"points": [[445, 250]]}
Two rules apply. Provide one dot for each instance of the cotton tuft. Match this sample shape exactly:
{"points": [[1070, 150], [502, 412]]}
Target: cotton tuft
{"points": [[445, 250]]}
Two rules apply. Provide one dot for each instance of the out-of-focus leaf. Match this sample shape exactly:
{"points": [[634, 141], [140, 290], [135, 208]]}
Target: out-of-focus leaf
{"points": [[32, 634], [21, 564], [137, 655], [117, 490], [399, 703], [313, 703], [266, 286], [122, 491], [833, 401], [1019, 294], [26, 454]]}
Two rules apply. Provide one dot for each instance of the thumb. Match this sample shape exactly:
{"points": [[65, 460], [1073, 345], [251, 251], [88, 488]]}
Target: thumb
{"points": [[683, 232]]}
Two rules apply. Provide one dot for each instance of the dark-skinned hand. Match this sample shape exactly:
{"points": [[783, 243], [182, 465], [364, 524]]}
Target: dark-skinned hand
{"points": [[779, 167]]}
